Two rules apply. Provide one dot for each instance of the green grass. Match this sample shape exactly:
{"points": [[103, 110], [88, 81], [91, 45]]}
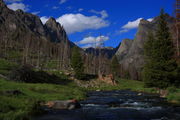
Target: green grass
{"points": [[125, 84], [14, 107], [174, 95], [6, 66]]}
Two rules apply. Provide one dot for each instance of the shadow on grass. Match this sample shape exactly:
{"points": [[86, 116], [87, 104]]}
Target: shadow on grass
{"points": [[88, 77], [28, 75]]}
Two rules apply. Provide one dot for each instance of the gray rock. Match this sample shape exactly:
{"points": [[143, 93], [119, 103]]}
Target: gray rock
{"points": [[69, 104], [130, 53]]}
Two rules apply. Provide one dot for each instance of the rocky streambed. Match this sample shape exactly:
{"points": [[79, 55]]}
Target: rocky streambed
{"points": [[118, 105]]}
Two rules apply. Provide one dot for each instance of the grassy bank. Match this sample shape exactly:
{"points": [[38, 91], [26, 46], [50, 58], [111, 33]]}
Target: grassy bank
{"points": [[173, 93], [17, 107]]}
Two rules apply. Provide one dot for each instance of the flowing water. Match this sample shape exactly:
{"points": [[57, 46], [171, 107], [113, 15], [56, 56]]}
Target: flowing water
{"points": [[118, 105]]}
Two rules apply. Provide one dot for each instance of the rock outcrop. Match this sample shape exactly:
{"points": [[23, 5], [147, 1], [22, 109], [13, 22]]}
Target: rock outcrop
{"points": [[130, 52], [36, 43], [124, 48]]}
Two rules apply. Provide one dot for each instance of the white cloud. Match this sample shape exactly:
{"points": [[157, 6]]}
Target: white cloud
{"points": [[123, 31], [132, 25], [80, 9], [79, 22], [93, 40], [44, 19], [55, 7], [103, 13], [16, 6], [63, 1], [150, 19], [36, 12], [88, 46]]}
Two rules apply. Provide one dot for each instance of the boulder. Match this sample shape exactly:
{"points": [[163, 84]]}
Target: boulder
{"points": [[68, 104], [109, 79]]}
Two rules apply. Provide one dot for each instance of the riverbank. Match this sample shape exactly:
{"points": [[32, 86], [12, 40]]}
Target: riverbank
{"points": [[173, 95], [24, 103], [20, 100]]}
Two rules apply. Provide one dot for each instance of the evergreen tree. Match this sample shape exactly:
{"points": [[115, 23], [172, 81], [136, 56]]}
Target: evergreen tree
{"points": [[160, 69], [115, 66], [77, 63]]}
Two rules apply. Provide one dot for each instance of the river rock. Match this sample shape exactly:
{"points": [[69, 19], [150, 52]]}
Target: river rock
{"points": [[68, 104]]}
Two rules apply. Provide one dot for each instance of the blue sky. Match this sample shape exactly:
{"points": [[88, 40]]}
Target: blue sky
{"points": [[90, 21]]}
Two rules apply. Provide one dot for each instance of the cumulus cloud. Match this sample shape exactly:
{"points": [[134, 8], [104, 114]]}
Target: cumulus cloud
{"points": [[62, 1], [103, 13], [132, 25], [44, 19], [16, 6], [93, 41], [79, 22]]}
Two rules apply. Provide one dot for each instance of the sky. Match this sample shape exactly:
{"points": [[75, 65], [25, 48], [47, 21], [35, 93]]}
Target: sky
{"points": [[90, 23]]}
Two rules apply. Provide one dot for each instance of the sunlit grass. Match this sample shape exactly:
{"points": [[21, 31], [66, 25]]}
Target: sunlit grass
{"points": [[20, 106]]}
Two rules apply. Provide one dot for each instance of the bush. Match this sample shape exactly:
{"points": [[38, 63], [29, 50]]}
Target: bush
{"points": [[6, 66], [172, 89]]}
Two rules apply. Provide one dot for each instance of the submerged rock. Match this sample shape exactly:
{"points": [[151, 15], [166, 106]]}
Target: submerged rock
{"points": [[68, 104]]}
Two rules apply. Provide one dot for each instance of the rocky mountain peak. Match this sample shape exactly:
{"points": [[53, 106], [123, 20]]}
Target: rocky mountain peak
{"points": [[51, 19], [55, 30], [20, 11], [51, 22], [143, 21]]}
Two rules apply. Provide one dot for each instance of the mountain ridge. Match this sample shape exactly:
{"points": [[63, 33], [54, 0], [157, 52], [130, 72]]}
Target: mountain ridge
{"points": [[133, 59]]}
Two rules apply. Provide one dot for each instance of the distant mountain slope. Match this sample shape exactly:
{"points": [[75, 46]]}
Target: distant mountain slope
{"points": [[37, 43], [130, 52], [106, 51]]}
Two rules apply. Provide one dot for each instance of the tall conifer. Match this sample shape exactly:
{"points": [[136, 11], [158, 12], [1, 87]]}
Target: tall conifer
{"points": [[160, 68]]}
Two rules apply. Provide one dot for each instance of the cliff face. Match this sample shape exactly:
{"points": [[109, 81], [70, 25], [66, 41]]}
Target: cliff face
{"points": [[130, 53], [24, 33], [124, 48]]}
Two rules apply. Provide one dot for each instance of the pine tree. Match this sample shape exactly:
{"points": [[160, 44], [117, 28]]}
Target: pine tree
{"points": [[115, 66], [160, 68], [148, 67], [77, 63]]}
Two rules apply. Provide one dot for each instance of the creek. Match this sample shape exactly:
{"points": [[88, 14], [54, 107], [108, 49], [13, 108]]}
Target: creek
{"points": [[118, 105]]}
